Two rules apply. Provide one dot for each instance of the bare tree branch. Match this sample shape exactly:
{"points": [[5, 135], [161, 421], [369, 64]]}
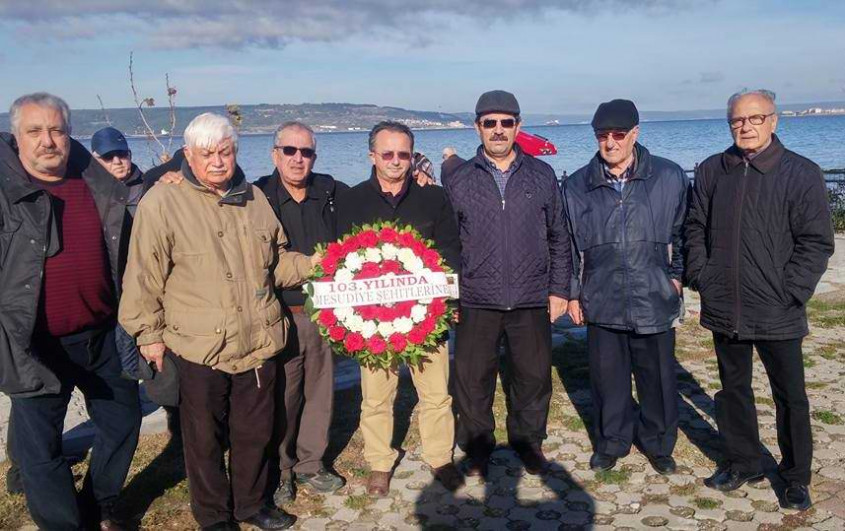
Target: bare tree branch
{"points": [[171, 100], [103, 108], [150, 102]]}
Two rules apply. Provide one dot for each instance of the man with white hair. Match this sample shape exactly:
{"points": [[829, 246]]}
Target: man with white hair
{"points": [[62, 227], [205, 258], [759, 235]]}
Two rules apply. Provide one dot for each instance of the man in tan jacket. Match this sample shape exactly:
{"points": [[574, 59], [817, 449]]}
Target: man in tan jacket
{"points": [[204, 259]]}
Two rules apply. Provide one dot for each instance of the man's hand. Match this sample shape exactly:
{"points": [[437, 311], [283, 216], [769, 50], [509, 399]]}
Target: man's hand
{"points": [[154, 353], [557, 307], [678, 286], [316, 258], [575, 312], [171, 177]]}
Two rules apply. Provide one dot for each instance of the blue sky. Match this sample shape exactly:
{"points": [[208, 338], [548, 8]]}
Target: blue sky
{"points": [[557, 57]]}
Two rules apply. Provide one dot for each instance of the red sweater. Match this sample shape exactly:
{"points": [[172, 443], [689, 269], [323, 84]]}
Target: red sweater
{"points": [[77, 293]]}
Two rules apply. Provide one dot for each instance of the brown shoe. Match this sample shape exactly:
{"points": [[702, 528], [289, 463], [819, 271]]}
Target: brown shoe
{"points": [[378, 484], [448, 476]]}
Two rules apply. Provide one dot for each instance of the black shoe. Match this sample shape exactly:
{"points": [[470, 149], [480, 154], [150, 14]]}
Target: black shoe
{"points": [[727, 478], [322, 481], [271, 518], [797, 496], [222, 526], [14, 482], [534, 461], [600, 462], [285, 493], [476, 467], [662, 464]]}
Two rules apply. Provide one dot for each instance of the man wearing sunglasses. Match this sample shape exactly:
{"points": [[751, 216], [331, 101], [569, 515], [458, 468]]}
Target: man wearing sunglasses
{"points": [[759, 236], [515, 264], [109, 147], [305, 203], [626, 210]]}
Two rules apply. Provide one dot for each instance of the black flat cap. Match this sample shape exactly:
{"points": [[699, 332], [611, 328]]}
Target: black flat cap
{"points": [[497, 101], [616, 114]]}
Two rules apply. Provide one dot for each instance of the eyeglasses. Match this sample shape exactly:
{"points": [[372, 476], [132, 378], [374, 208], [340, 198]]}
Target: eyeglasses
{"points": [[754, 119], [617, 136], [387, 156], [507, 123], [290, 151], [108, 157]]}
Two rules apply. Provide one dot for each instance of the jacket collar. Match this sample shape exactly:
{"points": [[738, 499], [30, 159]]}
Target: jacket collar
{"points": [[765, 162], [283, 193], [641, 172], [403, 193], [482, 161], [239, 191]]}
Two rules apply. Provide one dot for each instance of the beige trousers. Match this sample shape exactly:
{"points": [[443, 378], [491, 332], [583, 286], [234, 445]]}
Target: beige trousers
{"points": [[437, 423]]}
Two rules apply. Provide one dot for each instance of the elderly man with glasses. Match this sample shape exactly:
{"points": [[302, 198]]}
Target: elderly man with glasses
{"points": [[515, 264], [759, 236], [625, 210]]}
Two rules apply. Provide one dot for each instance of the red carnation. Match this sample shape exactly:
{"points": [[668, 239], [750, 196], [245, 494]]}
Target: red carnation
{"points": [[391, 266], [337, 333], [334, 251], [354, 342], [437, 308], [431, 258], [388, 235], [428, 325], [403, 309], [369, 270], [406, 239], [327, 318], [417, 335], [368, 312], [419, 248], [398, 342], [329, 267], [376, 344], [350, 244], [368, 238]]}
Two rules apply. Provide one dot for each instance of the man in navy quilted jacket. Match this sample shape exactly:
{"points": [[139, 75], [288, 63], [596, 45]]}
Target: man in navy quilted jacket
{"points": [[516, 268]]}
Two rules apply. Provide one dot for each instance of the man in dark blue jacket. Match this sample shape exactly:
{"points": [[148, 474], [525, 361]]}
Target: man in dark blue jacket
{"points": [[515, 266], [626, 210]]}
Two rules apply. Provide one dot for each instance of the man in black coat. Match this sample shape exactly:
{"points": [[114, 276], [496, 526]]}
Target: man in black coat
{"points": [[305, 203], [392, 194], [626, 210], [759, 235], [516, 269]]}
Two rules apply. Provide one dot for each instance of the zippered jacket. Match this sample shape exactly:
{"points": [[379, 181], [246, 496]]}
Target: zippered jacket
{"points": [[628, 245], [515, 250], [759, 235]]}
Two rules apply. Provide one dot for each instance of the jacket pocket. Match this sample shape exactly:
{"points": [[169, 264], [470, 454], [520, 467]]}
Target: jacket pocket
{"points": [[7, 232], [273, 328], [264, 246], [199, 337]]}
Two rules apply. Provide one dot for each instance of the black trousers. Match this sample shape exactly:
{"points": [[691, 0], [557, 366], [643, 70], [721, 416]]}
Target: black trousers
{"points": [[736, 414], [528, 381], [92, 365], [618, 422], [214, 405]]}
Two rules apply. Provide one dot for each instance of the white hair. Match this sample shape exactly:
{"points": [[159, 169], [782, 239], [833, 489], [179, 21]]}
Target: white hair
{"points": [[768, 95], [295, 124], [42, 99], [208, 130]]}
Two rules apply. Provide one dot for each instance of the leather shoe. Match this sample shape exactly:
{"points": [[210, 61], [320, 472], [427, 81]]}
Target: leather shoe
{"points": [[322, 481], [111, 525], [222, 526], [534, 461], [271, 518], [797, 496], [378, 484], [600, 462], [14, 483], [728, 478], [662, 464], [476, 468], [285, 493], [448, 476]]}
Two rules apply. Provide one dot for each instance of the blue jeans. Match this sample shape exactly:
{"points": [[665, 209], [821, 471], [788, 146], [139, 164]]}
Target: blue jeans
{"points": [[89, 362]]}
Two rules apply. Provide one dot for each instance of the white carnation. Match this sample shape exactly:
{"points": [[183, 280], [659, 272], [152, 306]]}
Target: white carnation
{"points": [[372, 255], [415, 265], [353, 261], [405, 255], [344, 312], [403, 325], [418, 313], [354, 322], [425, 301], [344, 275], [389, 251], [385, 329], [369, 329]]}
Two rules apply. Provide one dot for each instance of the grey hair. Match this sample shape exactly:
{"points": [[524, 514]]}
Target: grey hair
{"points": [[294, 124], [768, 95], [394, 127], [42, 99], [208, 130]]}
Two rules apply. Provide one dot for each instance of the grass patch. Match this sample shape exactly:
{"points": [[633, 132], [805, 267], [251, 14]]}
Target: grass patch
{"points": [[573, 423], [809, 363], [706, 503], [828, 352], [825, 312], [357, 502], [827, 417], [615, 477], [816, 385], [764, 400], [714, 386], [684, 490]]}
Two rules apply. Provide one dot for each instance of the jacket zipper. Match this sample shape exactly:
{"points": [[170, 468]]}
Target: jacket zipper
{"points": [[506, 265], [628, 313], [737, 247]]}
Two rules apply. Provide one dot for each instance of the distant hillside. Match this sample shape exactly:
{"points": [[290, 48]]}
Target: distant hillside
{"points": [[263, 118]]}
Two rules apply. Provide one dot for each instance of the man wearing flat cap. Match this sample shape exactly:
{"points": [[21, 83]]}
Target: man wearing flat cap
{"points": [[625, 211], [515, 275]]}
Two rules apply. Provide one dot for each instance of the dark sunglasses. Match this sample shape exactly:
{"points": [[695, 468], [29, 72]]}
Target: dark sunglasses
{"points": [[387, 156], [617, 136], [108, 157], [291, 151], [507, 123]]}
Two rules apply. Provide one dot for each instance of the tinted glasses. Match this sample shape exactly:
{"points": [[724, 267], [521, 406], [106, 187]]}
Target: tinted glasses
{"points": [[387, 156], [290, 151], [108, 157], [754, 119], [507, 123], [617, 136]]}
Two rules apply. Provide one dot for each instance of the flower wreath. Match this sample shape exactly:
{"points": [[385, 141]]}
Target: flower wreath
{"points": [[381, 335]]}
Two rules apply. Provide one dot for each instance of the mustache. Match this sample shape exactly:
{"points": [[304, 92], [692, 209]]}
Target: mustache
{"points": [[497, 136]]}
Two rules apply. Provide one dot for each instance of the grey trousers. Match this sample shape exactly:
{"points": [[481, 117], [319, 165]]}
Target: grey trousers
{"points": [[308, 397]]}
